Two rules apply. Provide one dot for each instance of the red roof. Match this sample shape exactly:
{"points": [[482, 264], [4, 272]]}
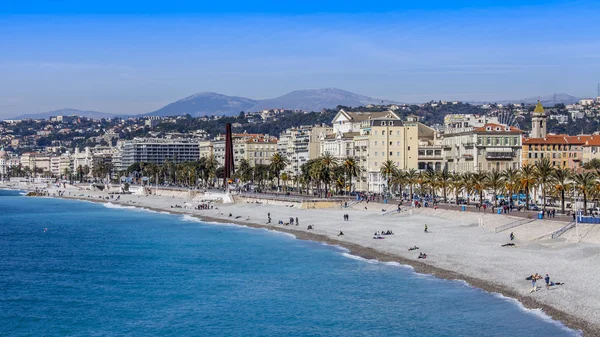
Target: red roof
{"points": [[494, 128], [558, 140]]}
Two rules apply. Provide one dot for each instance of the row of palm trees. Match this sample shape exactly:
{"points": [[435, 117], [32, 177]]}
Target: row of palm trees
{"points": [[542, 177]]}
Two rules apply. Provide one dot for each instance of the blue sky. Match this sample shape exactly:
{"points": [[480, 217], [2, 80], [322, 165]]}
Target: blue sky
{"points": [[136, 57]]}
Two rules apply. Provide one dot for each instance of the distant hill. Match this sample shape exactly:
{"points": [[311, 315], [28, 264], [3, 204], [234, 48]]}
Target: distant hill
{"points": [[547, 100], [206, 103], [66, 112], [210, 103], [317, 99]]}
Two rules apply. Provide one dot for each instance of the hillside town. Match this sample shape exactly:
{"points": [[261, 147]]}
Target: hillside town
{"points": [[366, 146]]}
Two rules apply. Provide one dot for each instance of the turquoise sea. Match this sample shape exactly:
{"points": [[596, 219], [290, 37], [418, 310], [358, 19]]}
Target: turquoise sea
{"points": [[104, 270]]}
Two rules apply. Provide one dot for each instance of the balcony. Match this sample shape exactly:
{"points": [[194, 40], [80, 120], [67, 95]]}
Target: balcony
{"points": [[499, 155], [467, 156], [469, 145]]}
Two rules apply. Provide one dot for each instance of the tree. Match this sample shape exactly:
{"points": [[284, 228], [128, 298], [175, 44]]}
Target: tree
{"points": [[444, 179], [245, 170], [351, 169], [584, 184], [467, 183], [479, 182], [544, 175], [561, 178], [495, 182], [328, 163], [278, 163], [387, 168], [511, 178], [527, 179], [412, 177]]}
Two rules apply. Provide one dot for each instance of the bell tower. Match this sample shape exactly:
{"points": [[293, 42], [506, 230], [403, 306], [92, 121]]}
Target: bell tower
{"points": [[538, 122]]}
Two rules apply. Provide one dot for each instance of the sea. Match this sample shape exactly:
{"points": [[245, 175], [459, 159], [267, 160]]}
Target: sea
{"points": [[76, 268]]}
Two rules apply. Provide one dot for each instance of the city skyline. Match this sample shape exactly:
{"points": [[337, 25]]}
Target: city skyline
{"points": [[133, 59]]}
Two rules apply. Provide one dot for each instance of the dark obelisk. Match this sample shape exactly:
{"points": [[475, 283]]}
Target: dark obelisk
{"points": [[229, 165]]}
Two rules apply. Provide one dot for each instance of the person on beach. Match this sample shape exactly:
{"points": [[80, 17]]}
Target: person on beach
{"points": [[547, 280], [426, 229], [341, 233], [512, 236], [297, 222]]}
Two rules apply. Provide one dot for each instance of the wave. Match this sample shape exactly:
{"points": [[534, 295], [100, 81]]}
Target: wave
{"points": [[539, 313], [189, 218], [373, 261], [116, 206]]}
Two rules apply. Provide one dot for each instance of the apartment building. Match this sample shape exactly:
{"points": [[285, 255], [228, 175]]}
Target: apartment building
{"points": [[485, 148], [158, 151]]}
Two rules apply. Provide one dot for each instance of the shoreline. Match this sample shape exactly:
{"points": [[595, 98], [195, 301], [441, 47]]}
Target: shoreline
{"points": [[568, 320], [587, 328]]}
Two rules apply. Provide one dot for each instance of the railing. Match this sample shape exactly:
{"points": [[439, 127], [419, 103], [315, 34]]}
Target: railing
{"points": [[500, 155], [513, 225], [563, 229]]}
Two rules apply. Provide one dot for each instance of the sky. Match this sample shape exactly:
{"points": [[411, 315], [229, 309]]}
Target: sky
{"points": [[133, 57]]}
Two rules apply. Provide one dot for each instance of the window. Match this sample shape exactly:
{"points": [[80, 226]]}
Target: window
{"points": [[391, 124], [375, 142], [398, 133], [375, 163], [529, 154], [398, 143], [391, 132], [375, 153], [398, 154], [409, 148], [391, 143], [391, 153]]}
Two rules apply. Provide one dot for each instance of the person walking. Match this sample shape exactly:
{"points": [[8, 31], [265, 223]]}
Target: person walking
{"points": [[547, 279]]}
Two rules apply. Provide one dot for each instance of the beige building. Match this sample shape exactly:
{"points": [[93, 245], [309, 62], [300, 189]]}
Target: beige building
{"points": [[486, 148], [390, 139], [373, 138], [255, 148]]}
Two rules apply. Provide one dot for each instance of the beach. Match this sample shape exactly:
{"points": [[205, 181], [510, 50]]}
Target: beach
{"points": [[463, 246]]}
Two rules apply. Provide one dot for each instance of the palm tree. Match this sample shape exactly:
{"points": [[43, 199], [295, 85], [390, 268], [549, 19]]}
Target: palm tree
{"points": [[211, 165], [431, 180], [444, 179], [544, 171], [479, 181], [467, 183], [511, 182], [328, 163], [351, 169], [495, 182], [245, 170], [278, 163], [561, 178], [398, 180], [387, 168], [584, 184], [527, 179], [412, 177], [457, 185]]}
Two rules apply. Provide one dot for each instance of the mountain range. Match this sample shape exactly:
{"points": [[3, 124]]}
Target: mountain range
{"points": [[210, 103], [548, 100], [65, 112]]}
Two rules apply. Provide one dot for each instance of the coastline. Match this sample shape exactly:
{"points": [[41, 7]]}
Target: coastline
{"points": [[571, 321], [568, 320]]}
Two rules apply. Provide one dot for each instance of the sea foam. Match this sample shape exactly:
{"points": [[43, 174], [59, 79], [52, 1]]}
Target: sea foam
{"points": [[538, 312]]}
